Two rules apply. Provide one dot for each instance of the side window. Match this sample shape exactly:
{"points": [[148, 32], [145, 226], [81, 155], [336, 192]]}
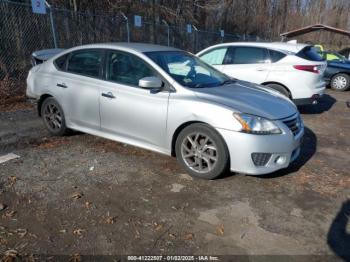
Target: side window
{"points": [[60, 62], [214, 57], [126, 69], [87, 63], [248, 55], [276, 56]]}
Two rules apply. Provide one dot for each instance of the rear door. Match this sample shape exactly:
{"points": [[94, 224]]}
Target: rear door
{"points": [[77, 82], [247, 63]]}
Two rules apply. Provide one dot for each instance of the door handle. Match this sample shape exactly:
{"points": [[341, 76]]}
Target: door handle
{"points": [[109, 95], [261, 69], [63, 85]]}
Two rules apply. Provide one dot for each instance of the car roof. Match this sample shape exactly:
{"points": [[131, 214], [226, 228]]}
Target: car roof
{"points": [[281, 46], [136, 47]]}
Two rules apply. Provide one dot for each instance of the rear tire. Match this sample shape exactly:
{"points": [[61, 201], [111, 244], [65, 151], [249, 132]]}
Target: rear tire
{"points": [[53, 117], [279, 88], [340, 82], [202, 152]]}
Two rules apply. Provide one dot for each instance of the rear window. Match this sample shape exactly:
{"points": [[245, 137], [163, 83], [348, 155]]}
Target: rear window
{"points": [[86, 62], [310, 53], [61, 62], [276, 56]]}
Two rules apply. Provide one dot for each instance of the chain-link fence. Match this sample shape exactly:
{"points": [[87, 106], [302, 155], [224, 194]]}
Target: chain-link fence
{"points": [[23, 32]]}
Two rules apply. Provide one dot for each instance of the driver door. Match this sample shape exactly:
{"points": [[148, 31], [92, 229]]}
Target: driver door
{"points": [[128, 111]]}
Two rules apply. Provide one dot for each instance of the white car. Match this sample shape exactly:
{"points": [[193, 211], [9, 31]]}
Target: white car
{"points": [[295, 70]]}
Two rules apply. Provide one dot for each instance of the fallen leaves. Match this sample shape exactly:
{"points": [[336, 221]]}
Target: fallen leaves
{"points": [[87, 204], [78, 231], [77, 195], [188, 236], [48, 143], [21, 232], [172, 236], [137, 234], [3, 241], [157, 226], [220, 230], [109, 219], [9, 214], [10, 255], [12, 180], [75, 258]]}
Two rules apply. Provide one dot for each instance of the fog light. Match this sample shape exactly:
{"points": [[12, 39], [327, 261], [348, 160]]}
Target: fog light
{"points": [[280, 160]]}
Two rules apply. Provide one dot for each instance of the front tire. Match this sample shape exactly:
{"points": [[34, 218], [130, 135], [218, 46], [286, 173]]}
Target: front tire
{"points": [[340, 82], [53, 117], [202, 152]]}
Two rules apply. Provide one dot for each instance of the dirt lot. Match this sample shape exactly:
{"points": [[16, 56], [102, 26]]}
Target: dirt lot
{"points": [[86, 195]]}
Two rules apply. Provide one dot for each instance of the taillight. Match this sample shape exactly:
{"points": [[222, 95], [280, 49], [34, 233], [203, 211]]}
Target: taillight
{"points": [[309, 68]]}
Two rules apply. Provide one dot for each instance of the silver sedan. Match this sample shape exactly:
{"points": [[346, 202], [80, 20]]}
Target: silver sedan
{"points": [[169, 101]]}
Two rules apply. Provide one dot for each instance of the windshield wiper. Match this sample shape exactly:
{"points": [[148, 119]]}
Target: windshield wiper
{"points": [[199, 86], [228, 81]]}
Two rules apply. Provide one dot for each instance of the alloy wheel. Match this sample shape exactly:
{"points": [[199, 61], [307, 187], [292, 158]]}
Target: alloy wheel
{"points": [[53, 116], [199, 152]]}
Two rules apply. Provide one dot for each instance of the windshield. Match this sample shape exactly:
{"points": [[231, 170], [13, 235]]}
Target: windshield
{"points": [[335, 56], [188, 70]]}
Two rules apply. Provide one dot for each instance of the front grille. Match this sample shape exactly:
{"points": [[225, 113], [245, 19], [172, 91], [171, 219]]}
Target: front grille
{"points": [[294, 124], [261, 159]]}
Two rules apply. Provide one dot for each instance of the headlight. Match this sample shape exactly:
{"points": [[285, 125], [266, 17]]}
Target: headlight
{"points": [[256, 125]]}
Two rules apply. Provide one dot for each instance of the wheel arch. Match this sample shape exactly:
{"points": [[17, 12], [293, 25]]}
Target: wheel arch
{"points": [[41, 101], [340, 72], [278, 83], [178, 131]]}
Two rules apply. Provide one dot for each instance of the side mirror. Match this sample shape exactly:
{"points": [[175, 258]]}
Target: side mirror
{"points": [[150, 82]]}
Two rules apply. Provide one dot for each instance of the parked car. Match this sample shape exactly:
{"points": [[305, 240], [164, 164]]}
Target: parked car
{"points": [[331, 56], [294, 70], [345, 52], [337, 74], [169, 101]]}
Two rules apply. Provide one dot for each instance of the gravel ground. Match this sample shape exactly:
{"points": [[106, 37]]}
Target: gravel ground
{"points": [[85, 195]]}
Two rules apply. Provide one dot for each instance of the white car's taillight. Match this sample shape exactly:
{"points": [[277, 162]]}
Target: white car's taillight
{"points": [[310, 68]]}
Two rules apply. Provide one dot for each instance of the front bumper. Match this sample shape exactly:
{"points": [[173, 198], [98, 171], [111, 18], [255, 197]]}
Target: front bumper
{"points": [[241, 146]]}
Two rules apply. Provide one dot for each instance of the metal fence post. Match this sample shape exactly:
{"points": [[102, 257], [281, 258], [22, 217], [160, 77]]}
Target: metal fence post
{"points": [[127, 26], [52, 22], [168, 31], [195, 38]]}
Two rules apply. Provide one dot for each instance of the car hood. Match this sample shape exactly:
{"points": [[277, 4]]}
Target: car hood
{"points": [[249, 98], [345, 65]]}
